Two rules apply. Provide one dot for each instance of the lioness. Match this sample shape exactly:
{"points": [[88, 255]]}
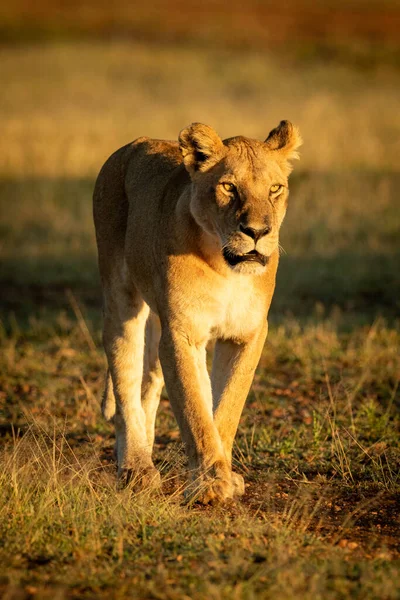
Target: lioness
{"points": [[187, 236]]}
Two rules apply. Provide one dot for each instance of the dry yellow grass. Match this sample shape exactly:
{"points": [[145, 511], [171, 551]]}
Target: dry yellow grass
{"points": [[66, 107], [318, 444]]}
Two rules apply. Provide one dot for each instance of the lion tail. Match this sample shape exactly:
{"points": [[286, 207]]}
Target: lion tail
{"points": [[108, 401]]}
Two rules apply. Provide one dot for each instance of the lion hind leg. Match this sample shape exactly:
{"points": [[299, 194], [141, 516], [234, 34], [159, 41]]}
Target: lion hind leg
{"points": [[125, 315], [108, 404], [153, 380]]}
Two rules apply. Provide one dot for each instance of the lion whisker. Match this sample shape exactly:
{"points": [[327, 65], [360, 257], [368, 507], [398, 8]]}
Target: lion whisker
{"points": [[281, 250]]}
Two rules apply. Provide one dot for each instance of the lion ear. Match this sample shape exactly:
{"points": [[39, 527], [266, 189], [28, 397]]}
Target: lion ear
{"points": [[200, 146], [286, 138]]}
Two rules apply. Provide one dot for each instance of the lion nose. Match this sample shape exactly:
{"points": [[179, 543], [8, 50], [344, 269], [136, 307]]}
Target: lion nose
{"points": [[255, 234]]}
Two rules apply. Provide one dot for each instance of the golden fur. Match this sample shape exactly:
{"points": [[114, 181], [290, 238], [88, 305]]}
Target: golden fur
{"points": [[187, 236]]}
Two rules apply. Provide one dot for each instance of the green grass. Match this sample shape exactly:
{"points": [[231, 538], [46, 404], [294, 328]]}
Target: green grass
{"points": [[318, 443], [318, 446]]}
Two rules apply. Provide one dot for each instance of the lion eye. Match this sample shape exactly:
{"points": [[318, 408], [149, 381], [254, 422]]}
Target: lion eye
{"points": [[274, 189], [228, 187]]}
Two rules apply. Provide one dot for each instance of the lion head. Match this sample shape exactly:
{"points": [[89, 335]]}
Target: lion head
{"points": [[240, 190]]}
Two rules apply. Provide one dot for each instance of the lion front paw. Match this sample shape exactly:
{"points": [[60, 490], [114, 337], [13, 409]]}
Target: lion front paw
{"points": [[147, 478], [215, 490], [209, 491]]}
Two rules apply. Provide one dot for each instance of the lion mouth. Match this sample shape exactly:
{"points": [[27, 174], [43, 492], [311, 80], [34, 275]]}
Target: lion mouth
{"points": [[252, 256]]}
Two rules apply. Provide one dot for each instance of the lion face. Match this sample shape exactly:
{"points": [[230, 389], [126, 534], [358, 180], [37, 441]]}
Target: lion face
{"points": [[240, 190]]}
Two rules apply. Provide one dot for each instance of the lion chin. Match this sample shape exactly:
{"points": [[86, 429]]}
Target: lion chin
{"points": [[249, 269], [249, 263]]}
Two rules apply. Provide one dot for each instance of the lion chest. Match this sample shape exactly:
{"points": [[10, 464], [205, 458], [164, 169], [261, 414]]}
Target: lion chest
{"points": [[238, 311]]}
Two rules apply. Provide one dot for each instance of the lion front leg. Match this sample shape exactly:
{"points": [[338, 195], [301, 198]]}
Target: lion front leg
{"points": [[233, 370], [189, 390]]}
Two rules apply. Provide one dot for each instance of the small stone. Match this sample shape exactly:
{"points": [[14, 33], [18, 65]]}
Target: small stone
{"points": [[352, 545]]}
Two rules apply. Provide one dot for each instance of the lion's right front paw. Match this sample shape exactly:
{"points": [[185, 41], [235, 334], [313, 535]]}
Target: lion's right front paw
{"points": [[216, 492], [147, 478], [210, 491]]}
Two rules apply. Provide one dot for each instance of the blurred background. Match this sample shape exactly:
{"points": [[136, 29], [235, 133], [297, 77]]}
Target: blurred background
{"points": [[80, 79]]}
